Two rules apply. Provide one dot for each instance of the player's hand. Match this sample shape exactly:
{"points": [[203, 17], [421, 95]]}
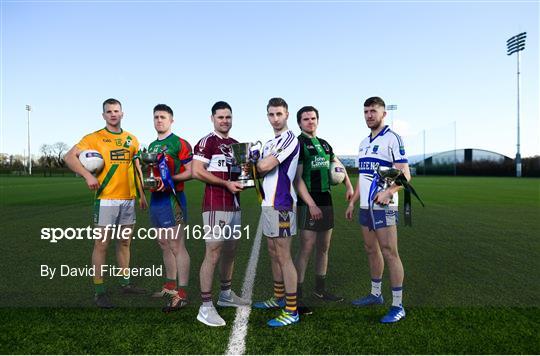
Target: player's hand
{"points": [[383, 198], [92, 182], [143, 204], [349, 193], [315, 212], [234, 187], [349, 212], [161, 185]]}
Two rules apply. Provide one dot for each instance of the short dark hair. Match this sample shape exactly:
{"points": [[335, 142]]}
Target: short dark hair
{"points": [[220, 105], [374, 100], [306, 109], [275, 102], [111, 101], [163, 107]]}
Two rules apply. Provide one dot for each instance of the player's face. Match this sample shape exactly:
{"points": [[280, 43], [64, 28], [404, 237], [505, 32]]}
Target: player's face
{"points": [[222, 120], [113, 114], [374, 116], [309, 122], [277, 115], [162, 121]]}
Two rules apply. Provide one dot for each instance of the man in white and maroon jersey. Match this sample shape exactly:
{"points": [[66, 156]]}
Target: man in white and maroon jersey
{"points": [[221, 213]]}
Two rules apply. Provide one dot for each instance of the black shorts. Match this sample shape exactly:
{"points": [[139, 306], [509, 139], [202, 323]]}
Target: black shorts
{"points": [[324, 202]]}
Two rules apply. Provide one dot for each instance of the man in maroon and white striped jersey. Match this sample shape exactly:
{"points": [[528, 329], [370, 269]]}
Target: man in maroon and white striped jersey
{"points": [[221, 213]]}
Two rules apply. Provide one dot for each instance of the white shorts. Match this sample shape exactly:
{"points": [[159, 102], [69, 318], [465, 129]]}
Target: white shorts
{"points": [[114, 212], [221, 225], [278, 223]]}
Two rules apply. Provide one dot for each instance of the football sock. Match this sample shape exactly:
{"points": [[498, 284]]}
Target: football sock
{"points": [[279, 289], [299, 290], [291, 302], [99, 286], [376, 286], [207, 299], [226, 287], [397, 295], [170, 284], [319, 283]]}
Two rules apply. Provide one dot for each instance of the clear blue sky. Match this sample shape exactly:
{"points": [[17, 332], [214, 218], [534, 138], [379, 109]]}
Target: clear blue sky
{"points": [[440, 62]]}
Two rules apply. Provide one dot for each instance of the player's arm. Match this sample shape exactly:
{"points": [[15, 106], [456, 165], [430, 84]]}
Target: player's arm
{"points": [[200, 172], [303, 192], [187, 174], [186, 157], [347, 181], [72, 161], [385, 197], [266, 164]]}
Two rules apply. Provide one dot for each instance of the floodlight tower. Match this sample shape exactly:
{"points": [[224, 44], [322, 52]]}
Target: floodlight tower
{"points": [[28, 109], [391, 108], [516, 44]]}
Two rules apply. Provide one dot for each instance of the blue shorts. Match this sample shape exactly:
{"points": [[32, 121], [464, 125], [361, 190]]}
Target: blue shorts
{"points": [[383, 218], [165, 211]]}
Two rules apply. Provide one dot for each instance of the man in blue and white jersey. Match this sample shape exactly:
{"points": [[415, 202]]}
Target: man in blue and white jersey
{"points": [[379, 209], [278, 166]]}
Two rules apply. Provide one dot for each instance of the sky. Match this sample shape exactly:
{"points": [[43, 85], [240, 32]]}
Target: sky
{"points": [[443, 64]]}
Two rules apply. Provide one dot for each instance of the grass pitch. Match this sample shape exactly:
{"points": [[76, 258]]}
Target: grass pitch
{"points": [[471, 264]]}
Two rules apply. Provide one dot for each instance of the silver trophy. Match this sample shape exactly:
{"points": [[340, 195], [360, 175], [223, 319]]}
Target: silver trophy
{"points": [[238, 154], [149, 159], [388, 176]]}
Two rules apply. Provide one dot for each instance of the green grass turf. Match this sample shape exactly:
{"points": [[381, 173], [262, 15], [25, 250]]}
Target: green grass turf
{"points": [[471, 261]]}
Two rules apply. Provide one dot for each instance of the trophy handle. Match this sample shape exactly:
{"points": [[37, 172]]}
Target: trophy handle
{"points": [[255, 144]]}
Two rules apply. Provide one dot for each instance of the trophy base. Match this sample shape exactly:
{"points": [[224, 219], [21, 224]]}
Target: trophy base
{"points": [[248, 183], [150, 184]]}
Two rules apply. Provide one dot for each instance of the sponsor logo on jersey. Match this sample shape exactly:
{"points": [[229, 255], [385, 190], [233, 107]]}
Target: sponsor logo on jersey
{"points": [[320, 162], [107, 140], [367, 166], [120, 155]]}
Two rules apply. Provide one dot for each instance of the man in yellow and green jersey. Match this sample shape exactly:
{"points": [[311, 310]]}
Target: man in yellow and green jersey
{"points": [[115, 191]]}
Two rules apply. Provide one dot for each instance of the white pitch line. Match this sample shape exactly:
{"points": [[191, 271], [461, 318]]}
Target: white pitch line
{"points": [[237, 340]]}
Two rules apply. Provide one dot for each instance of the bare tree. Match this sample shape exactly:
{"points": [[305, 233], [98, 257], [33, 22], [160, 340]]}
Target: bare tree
{"points": [[47, 155], [59, 149]]}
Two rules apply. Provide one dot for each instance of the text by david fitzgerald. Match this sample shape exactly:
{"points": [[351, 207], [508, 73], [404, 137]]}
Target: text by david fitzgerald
{"points": [[106, 271]]}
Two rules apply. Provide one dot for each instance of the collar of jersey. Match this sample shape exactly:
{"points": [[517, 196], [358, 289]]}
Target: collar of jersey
{"points": [[306, 136], [113, 133], [381, 133], [163, 139], [281, 134], [219, 135]]}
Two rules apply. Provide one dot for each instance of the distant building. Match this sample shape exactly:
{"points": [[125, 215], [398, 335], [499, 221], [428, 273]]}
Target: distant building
{"points": [[348, 161], [458, 156], [442, 158]]}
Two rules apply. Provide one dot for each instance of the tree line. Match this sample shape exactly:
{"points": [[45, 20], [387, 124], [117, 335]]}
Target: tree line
{"points": [[51, 159]]}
